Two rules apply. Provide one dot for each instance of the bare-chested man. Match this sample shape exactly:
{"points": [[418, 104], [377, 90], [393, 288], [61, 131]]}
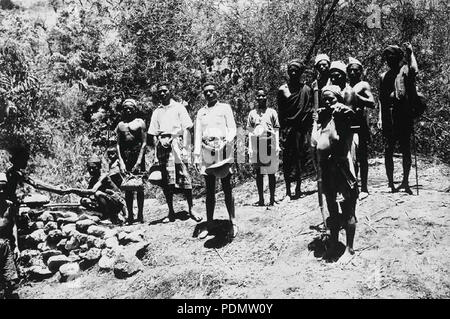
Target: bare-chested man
{"points": [[131, 144], [397, 93], [358, 95], [333, 138], [322, 66]]}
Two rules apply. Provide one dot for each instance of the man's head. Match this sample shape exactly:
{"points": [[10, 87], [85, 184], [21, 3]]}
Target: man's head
{"points": [[164, 94], [295, 69], [94, 165], [129, 108], [261, 97], [210, 92], [322, 63], [111, 154], [393, 55], [331, 94], [354, 70], [338, 73], [19, 156]]}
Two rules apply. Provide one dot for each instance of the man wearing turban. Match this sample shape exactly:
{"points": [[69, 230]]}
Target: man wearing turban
{"points": [[295, 107], [131, 143]]}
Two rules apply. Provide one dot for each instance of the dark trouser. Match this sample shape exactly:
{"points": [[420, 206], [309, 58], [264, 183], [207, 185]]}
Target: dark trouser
{"points": [[210, 181]]}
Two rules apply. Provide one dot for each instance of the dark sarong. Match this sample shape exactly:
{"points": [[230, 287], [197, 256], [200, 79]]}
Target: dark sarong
{"points": [[295, 114]]}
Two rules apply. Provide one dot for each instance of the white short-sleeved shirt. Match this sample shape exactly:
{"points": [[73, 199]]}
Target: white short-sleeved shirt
{"points": [[172, 118]]}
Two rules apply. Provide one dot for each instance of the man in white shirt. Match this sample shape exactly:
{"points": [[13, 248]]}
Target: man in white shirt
{"points": [[169, 126], [215, 131]]}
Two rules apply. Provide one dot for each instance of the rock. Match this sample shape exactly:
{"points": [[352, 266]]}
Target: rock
{"points": [[96, 242], [97, 231], [43, 247], [61, 245], [50, 226], [55, 262], [69, 229], [134, 237], [72, 243], [109, 257], [82, 238], [54, 236], [46, 217], [36, 225], [73, 255], [38, 273], [139, 249], [84, 216], [126, 265], [101, 232], [105, 222], [69, 271], [49, 253], [121, 236], [27, 257], [112, 242], [63, 214], [38, 236], [65, 221], [92, 254], [83, 225], [84, 248], [36, 200]]}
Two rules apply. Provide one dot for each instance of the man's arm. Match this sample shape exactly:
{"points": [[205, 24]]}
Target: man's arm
{"points": [[143, 146], [44, 186], [411, 59], [122, 166], [365, 97]]}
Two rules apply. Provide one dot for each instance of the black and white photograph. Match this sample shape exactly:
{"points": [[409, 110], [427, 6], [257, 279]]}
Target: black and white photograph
{"points": [[224, 155]]}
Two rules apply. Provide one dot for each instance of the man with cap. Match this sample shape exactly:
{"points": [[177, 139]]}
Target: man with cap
{"points": [[322, 67], [397, 93], [338, 74], [103, 193], [358, 95], [295, 109], [215, 130], [333, 139], [263, 148], [170, 127], [131, 143]]}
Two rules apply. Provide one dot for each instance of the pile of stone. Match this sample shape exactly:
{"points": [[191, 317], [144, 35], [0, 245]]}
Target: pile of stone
{"points": [[64, 243]]}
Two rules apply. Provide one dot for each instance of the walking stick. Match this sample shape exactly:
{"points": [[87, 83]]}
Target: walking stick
{"points": [[415, 159]]}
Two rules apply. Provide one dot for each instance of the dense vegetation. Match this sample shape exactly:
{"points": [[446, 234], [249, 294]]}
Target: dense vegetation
{"points": [[99, 52]]}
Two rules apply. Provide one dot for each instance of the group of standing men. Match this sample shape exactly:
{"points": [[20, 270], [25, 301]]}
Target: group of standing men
{"points": [[326, 124]]}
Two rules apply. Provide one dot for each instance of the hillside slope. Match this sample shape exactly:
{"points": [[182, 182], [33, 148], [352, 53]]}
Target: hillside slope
{"points": [[402, 250]]}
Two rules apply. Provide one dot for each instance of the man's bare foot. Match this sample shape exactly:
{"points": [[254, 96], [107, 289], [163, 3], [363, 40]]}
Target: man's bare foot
{"points": [[203, 234], [363, 195], [259, 203], [406, 187], [195, 216], [234, 231], [347, 256], [168, 219]]}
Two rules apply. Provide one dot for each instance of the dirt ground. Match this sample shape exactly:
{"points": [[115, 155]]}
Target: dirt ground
{"points": [[402, 249]]}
